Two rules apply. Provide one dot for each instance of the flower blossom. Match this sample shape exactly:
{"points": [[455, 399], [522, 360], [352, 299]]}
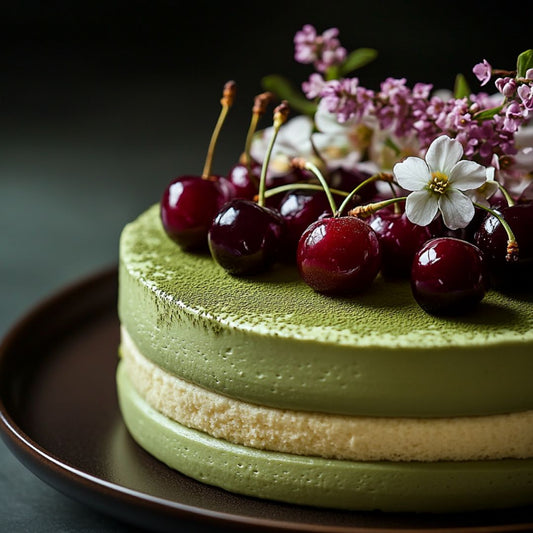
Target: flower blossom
{"points": [[323, 51], [483, 72], [293, 140], [438, 184]]}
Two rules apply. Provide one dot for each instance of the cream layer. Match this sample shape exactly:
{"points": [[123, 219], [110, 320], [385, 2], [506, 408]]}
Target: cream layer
{"points": [[358, 438]]}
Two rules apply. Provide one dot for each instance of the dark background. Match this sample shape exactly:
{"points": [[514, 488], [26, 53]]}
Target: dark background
{"points": [[102, 103]]}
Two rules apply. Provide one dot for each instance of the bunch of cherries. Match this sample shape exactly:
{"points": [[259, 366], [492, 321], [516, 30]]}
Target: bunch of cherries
{"points": [[249, 221]]}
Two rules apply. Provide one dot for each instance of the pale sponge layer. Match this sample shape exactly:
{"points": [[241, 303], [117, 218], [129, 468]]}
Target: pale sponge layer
{"points": [[443, 486], [333, 436]]}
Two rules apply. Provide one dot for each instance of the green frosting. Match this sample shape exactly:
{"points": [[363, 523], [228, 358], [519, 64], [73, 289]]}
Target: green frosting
{"points": [[386, 486], [272, 340]]}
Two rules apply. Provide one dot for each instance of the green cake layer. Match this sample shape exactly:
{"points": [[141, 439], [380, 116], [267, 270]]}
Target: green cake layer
{"points": [[387, 486], [272, 340]]}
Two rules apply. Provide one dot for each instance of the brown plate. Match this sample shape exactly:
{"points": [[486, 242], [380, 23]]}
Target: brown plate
{"points": [[59, 416]]}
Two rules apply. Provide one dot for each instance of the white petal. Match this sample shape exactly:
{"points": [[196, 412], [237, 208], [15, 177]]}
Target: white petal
{"points": [[443, 154], [467, 175], [421, 207], [457, 209], [412, 173]]}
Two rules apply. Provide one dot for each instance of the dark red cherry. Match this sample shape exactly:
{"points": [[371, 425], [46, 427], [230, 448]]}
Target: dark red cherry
{"points": [[339, 255], [300, 208], [245, 237], [399, 241], [347, 180], [188, 207], [245, 179], [492, 240], [448, 276], [438, 228]]}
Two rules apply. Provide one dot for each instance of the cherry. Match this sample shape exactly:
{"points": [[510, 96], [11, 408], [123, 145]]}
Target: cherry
{"points": [[188, 206], [245, 175], [300, 208], [492, 240], [448, 276], [245, 178], [245, 237], [189, 203], [339, 254], [347, 180], [399, 240]]}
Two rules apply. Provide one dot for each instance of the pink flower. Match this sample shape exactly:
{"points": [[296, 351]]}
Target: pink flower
{"points": [[507, 86], [483, 72], [314, 86], [323, 50]]}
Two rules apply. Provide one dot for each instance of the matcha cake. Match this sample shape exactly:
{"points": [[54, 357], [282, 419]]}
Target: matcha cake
{"points": [[344, 319], [264, 387]]}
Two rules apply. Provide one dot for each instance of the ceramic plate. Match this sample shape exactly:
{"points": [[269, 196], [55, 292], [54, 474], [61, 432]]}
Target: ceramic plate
{"points": [[59, 416]]}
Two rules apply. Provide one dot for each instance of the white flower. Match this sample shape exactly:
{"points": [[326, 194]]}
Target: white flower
{"points": [[340, 145], [438, 184], [293, 140], [488, 189]]}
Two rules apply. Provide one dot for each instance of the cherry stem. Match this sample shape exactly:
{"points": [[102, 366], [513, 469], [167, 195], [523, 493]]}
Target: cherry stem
{"points": [[307, 165], [512, 246], [228, 96], [365, 211], [281, 114], [380, 176], [506, 195], [300, 185]]}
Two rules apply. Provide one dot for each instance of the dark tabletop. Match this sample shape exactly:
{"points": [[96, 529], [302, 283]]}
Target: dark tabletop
{"points": [[101, 106]]}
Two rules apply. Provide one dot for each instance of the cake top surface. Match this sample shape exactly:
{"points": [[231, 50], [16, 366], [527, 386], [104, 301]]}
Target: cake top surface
{"points": [[279, 303]]}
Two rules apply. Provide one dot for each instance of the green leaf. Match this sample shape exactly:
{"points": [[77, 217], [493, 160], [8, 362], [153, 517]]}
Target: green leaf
{"points": [[357, 59], [461, 88], [523, 63], [284, 90], [487, 114]]}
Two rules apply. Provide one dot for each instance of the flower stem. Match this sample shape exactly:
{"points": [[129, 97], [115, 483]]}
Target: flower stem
{"points": [[281, 114], [512, 246], [228, 96]]}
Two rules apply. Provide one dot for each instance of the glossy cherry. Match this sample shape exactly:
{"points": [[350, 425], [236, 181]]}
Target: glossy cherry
{"points": [[492, 240], [245, 175], [188, 206], [399, 240], [347, 180], [245, 179], [300, 208], [245, 237], [189, 202], [448, 276], [339, 255]]}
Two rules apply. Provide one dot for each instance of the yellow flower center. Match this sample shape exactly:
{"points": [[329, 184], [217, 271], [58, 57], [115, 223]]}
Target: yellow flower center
{"points": [[438, 182]]}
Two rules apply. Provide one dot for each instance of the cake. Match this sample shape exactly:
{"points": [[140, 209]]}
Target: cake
{"points": [[264, 387], [261, 384]]}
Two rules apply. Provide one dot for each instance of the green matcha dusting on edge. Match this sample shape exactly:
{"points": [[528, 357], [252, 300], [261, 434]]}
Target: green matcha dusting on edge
{"points": [[279, 303]]}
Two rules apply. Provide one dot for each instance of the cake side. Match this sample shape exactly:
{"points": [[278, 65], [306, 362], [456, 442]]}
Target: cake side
{"points": [[360, 438], [388, 486], [263, 340]]}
